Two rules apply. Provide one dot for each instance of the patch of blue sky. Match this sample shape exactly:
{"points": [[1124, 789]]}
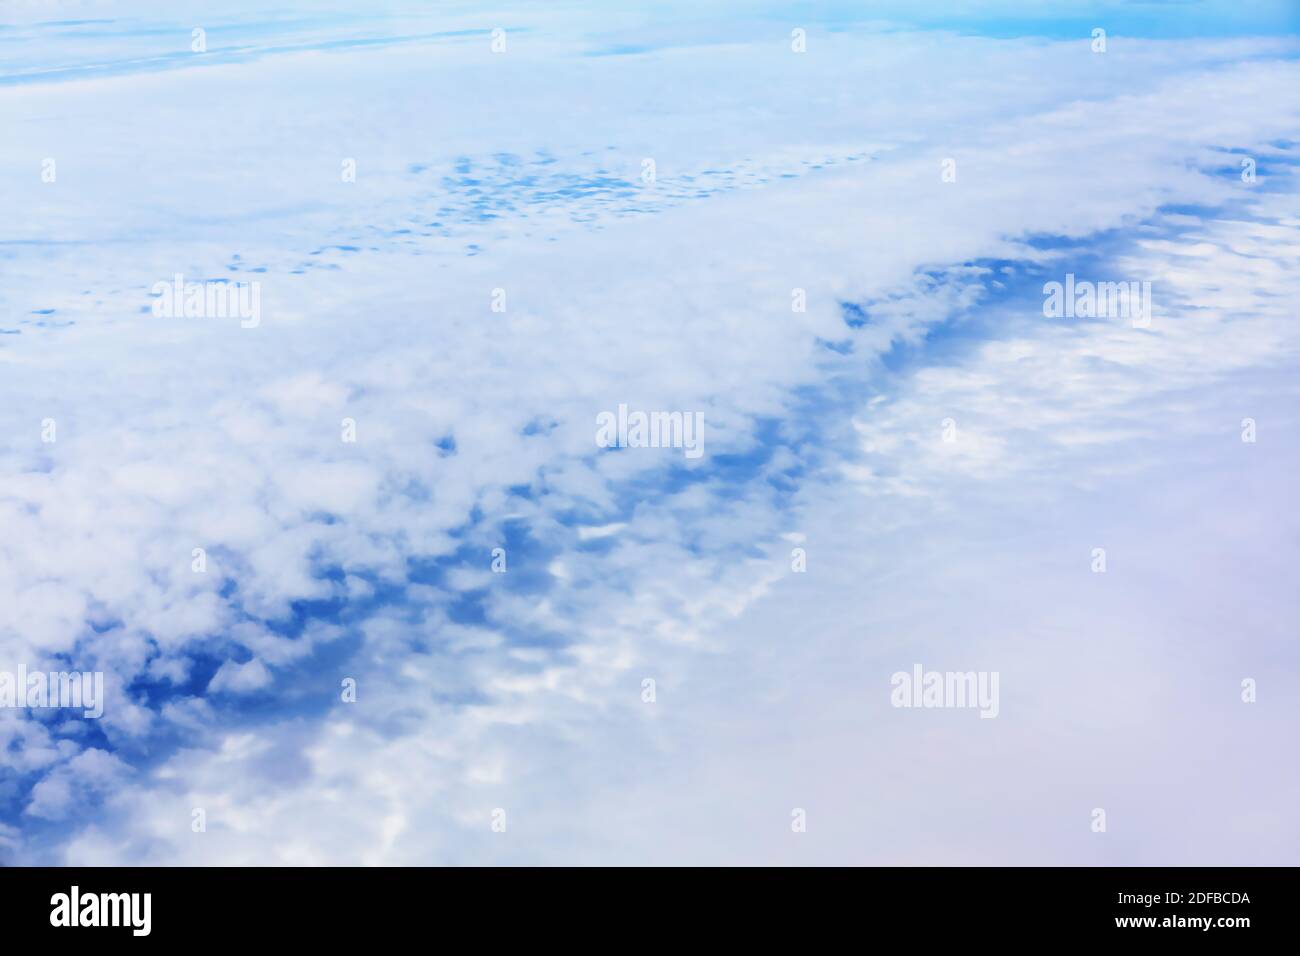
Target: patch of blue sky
{"points": [[1065, 19]]}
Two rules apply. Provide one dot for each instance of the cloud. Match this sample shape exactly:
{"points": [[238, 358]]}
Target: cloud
{"points": [[72, 784], [232, 678], [371, 560]]}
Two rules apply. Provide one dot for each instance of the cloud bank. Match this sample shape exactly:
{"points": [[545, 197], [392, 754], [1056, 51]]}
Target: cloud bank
{"points": [[438, 337]]}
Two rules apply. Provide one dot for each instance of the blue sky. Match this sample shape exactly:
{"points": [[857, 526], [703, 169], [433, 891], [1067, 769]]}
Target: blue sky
{"points": [[522, 171]]}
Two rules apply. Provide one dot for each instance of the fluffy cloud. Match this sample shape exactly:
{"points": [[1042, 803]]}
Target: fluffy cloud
{"points": [[370, 560]]}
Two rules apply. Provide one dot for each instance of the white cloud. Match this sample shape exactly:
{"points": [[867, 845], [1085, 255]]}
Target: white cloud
{"points": [[821, 174], [235, 678]]}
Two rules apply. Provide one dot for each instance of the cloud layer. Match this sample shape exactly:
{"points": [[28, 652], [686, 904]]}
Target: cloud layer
{"points": [[523, 172]]}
